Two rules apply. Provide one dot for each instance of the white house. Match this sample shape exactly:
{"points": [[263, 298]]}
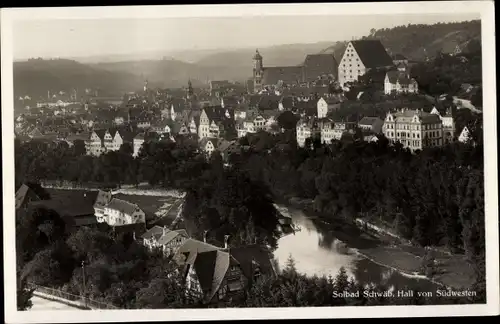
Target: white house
{"points": [[464, 136], [208, 145], [137, 144], [95, 145], [448, 125], [327, 131], [259, 123], [360, 57], [325, 105], [399, 82], [120, 212], [307, 128]]}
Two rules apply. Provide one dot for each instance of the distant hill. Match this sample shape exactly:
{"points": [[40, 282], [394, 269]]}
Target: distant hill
{"points": [[36, 77], [418, 42], [280, 55]]}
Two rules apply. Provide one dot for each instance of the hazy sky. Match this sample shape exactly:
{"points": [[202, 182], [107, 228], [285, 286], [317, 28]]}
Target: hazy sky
{"points": [[77, 38]]}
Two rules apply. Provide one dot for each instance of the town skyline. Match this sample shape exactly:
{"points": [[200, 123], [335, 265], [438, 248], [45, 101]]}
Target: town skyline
{"points": [[113, 37]]}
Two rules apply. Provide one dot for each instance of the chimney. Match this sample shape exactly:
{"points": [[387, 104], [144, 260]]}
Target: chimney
{"points": [[205, 236], [164, 230], [226, 238]]}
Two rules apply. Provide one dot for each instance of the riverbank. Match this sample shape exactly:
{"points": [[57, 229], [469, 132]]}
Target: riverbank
{"points": [[371, 242], [386, 249]]}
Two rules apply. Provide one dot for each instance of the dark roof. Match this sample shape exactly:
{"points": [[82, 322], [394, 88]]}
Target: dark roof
{"points": [[215, 113], [70, 203], [369, 120], [230, 102], [316, 65], [287, 74], [287, 102], [170, 235], [156, 232], [84, 220], [398, 76], [269, 102], [100, 133], [399, 57], [25, 192], [253, 255], [254, 100], [372, 53], [209, 262], [122, 205]]}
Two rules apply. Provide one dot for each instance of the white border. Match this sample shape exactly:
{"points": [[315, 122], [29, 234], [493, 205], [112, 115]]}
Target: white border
{"points": [[486, 10]]}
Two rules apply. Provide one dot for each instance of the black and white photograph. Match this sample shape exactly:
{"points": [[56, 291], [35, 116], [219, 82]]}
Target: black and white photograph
{"points": [[249, 161]]}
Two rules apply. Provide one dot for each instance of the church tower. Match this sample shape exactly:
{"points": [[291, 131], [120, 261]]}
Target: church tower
{"points": [[146, 86], [258, 70]]}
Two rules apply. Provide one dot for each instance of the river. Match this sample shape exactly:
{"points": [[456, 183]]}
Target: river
{"points": [[316, 251]]}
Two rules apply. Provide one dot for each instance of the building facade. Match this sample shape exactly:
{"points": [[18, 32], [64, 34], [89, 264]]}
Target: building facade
{"points": [[414, 129], [360, 57]]}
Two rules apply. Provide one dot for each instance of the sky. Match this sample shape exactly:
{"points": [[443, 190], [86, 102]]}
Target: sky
{"points": [[97, 37]]}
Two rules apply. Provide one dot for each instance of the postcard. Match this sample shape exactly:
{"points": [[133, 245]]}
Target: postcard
{"points": [[247, 161]]}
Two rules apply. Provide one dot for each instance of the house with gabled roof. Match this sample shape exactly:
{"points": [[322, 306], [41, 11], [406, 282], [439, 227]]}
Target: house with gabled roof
{"points": [[209, 272], [216, 122], [208, 145], [95, 144], [307, 127], [360, 57], [465, 135], [399, 82], [325, 105], [216, 274], [448, 124], [120, 212], [168, 241]]}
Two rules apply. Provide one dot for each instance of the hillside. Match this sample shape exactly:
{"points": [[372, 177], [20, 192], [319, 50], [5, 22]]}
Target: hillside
{"points": [[280, 55], [173, 73], [36, 77], [417, 42]]}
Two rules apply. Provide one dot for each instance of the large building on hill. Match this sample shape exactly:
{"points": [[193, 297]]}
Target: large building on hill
{"points": [[313, 67], [360, 57], [414, 129]]}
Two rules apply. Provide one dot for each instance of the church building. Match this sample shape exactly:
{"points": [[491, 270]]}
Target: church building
{"points": [[314, 67]]}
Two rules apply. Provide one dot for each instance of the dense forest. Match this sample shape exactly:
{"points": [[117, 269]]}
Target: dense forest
{"points": [[419, 41]]}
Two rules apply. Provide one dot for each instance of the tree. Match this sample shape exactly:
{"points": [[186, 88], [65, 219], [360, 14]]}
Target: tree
{"points": [[161, 293], [24, 295]]}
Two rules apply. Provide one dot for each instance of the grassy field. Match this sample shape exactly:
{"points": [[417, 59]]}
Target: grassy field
{"points": [[160, 210]]}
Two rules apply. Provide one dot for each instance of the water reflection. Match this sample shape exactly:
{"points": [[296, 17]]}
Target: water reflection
{"points": [[322, 249]]}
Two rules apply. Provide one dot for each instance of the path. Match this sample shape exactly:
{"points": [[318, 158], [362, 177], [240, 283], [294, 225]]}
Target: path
{"points": [[42, 304]]}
